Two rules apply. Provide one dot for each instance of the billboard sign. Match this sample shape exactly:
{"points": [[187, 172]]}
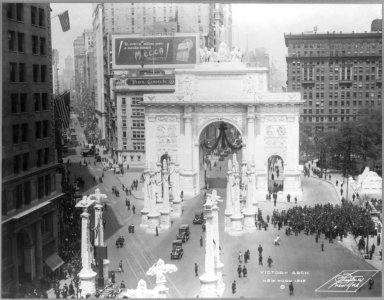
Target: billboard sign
{"points": [[151, 81], [131, 51]]}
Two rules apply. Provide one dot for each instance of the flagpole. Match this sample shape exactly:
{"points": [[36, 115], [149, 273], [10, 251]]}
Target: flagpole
{"points": [[55, 16]]}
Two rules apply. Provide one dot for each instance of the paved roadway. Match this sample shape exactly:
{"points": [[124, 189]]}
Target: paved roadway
{"points": [[300, 253]]}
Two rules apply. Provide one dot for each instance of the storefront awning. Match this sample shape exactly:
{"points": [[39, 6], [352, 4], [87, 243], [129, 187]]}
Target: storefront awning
{"points": [[54, 261]]}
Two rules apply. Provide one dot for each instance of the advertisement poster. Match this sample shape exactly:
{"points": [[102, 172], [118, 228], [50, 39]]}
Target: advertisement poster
{"points": [[153, 51]]}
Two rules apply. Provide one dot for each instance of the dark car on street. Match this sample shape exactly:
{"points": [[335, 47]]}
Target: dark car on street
{"points": [[199, 218], [183, 233], [177, 250]]}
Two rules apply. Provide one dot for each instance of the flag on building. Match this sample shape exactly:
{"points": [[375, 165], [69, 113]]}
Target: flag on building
{"points": [[64, 21], [62, 110]]}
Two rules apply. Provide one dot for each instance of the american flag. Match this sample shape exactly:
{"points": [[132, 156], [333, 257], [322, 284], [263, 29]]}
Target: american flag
{"points": [[62, 109], [64, 21]]}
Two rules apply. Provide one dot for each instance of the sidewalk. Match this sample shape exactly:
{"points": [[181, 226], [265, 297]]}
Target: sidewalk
{"points": [[350, 242]]}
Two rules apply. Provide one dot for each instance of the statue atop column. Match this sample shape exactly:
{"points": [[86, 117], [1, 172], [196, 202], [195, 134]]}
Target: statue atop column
{"points": [[159, 269]]}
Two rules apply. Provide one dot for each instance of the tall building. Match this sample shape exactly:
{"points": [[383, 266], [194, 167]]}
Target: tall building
{"points": [[79, 60], [145, 18], [55, 71], [338, 74], [68, 74], [30, 185]]}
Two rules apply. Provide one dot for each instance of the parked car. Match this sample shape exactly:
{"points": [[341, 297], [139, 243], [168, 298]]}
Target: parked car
{"points": [[199, 218], [86, 153], [177, 250], [183, 233]]}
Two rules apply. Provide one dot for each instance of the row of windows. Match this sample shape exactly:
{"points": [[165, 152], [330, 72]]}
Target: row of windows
{"points": [[18, 70], [336, 46], [15, 11], [20, 132], [19, 102], [16, 42], [21, 162], [341, 103], [329, 119], [132, 158], [138, 123], [343, 95], [138, 145], [21, 196]]}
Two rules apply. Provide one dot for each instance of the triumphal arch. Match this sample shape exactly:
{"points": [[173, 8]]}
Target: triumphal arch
{"points": [[232, 93]]}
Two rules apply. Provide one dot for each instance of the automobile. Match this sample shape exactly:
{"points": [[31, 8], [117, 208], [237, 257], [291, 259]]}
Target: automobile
{"points": [[177, 250], [90, 152], [98, 158], [199, 218], [183, 233]]}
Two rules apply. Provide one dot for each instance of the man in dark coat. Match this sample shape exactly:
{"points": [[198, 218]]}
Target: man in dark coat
{"points": [[239, 270]]}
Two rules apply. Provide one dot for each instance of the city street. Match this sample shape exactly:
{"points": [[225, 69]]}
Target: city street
{"points": [[295, 254]]}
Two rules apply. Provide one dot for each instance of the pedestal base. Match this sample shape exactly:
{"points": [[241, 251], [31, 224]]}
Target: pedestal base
{"points": [[144, 218], [176, 204], [220, 283], [236, 225], [105, 269], [249, 220], [162, 290], [87, 282], [165, 220], [208, 286], [153, 222]]}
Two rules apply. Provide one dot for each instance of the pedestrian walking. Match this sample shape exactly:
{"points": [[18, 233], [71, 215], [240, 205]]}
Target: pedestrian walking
{"points": [[196, 270], [370, 282], [267, 218], [244, 271], [113, 277], [291, 288], [260, 249], [201, 241], [269, 261], [378, 239], [234, 287], [260, 260], [240, 257], [122, 284], [317, 238], [322, 246], [157, 231], [337, 182], [104, 223], [239, 270], [133, 209], [121, 266], [105, 206]]}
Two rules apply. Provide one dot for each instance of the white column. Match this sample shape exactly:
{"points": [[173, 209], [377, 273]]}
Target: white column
{"points": [[218, 264], [208, 281], [188, 139], [250, 134], [228, 202], [176, 202], [146, 194], [165, 221], [87, 275], [99, 229]]}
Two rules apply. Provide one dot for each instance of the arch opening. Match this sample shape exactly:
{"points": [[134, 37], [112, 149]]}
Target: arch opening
{"points": [[217, 142], [275, 174]]}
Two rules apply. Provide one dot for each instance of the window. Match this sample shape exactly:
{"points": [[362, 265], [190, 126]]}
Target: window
{"points": [[44, 101], [35, 73], [137, 100], [124, 123], [15, 134], [39, 154], [12, 72], [36, 100], [46, 156], [123, 101], [42, 46], [137, 111], [47, 184], [20, 42], [33, 15], [25, 161], [40, 187], [139, 146], [43, 73], [11, 41], [21, 72], [139, 134], [24, 132], [19, 12], [23, 102], [35, 43], [27, 193], [124, 134], [10, 11], [16, 164], [14, 103], [139, 158], [38, 130], [17, 193], [41, 17], [45, 128], [131, 157]]}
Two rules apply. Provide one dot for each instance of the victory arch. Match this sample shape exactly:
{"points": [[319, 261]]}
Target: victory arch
{"points": [[232, 93]]}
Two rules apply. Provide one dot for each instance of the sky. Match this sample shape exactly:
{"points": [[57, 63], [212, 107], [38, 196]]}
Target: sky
{"points": [[262, 25]]}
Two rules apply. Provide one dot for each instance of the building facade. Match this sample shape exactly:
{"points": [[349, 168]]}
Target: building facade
{"points": [[339, 75], [79, 61], [147, 19], [68, 74], [30, 192], [55, 72]]}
